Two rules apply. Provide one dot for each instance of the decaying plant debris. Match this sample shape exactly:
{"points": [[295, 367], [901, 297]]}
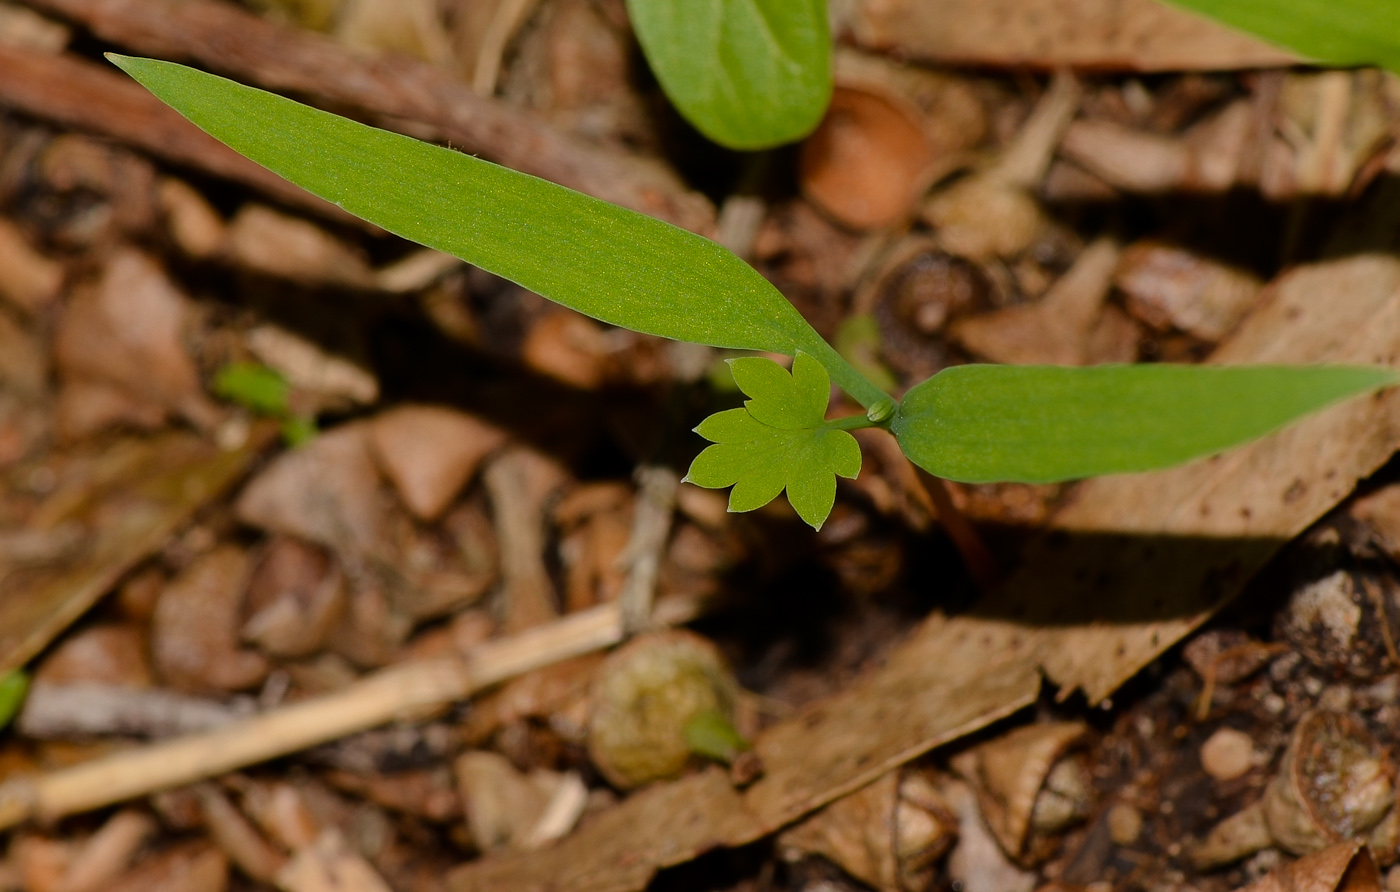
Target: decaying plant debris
{"points": [[384, 658]]}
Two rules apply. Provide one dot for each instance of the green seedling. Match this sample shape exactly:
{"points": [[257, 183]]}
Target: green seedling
{"points": [[13, 686], [265, 391], [749, 74], [969, 423]]}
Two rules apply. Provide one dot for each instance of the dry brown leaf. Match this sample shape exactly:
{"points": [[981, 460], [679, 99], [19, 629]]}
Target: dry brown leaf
{"points": [[28, 279], [1126, 34], [325, 492], [1058, 329], [430, 452], [1008, 774], [194, 632], [171, 477], [107, 654], [1345, 867], [917, 702], [128, 333], [887, 834]]}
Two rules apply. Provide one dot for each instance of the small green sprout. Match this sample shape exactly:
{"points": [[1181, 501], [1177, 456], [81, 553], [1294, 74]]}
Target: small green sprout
{"points": [[265, 391], [971, 423], [711, 734]]}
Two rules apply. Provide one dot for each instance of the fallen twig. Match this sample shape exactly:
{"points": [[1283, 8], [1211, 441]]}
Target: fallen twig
{"points": [[75, 93], [397, 88], [404, 690]]}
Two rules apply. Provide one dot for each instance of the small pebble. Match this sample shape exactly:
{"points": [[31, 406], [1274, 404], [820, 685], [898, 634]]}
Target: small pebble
{"points": [[1124, 823], [1227, 754], [1275, 704]]}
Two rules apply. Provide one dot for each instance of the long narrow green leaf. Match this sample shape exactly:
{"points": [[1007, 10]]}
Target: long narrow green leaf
{"points": [[602, 260], [1337, 32], [749, 74], [1039, 424]]}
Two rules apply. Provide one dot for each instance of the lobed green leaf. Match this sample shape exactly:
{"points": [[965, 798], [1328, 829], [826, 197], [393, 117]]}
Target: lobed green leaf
{"points": [[1337, 32], [607, 262], [778, 441], [749, 74], [1040, 424]]}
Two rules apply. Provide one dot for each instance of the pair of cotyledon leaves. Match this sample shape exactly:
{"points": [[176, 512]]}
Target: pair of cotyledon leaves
{"points": [[972, 423]]}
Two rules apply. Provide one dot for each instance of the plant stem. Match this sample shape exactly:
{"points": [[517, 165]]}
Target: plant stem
{"points": [[981, 565]]}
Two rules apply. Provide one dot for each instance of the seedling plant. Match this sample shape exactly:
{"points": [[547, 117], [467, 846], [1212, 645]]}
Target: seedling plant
{"points": [[972, 423]]}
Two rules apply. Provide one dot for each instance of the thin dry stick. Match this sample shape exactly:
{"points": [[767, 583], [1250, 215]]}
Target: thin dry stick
{"points": [[379, 698], [505, 22], [651, 527], [1025, 161]]}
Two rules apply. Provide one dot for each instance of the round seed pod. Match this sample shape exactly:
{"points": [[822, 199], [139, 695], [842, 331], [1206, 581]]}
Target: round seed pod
{"points": [[1334, 784], [644, 696]]}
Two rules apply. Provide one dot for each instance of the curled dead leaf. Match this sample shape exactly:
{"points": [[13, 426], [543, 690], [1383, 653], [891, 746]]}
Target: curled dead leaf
{"points": [[1029, 785], [888, 834]]}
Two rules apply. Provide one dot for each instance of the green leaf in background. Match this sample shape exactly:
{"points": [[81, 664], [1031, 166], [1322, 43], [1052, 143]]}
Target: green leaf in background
{"points": [[1337, 32], [779, 440], [254, 386], [1039, 424], [604, 261], [13, 686], [749, 74]]}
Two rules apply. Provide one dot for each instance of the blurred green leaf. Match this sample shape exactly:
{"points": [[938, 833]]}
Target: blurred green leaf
{"points": [[1039, 424], [1337, 32], [779, 440], [254, 386], [298, 430], [14, 685], [604, 261], [749, 74]]}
